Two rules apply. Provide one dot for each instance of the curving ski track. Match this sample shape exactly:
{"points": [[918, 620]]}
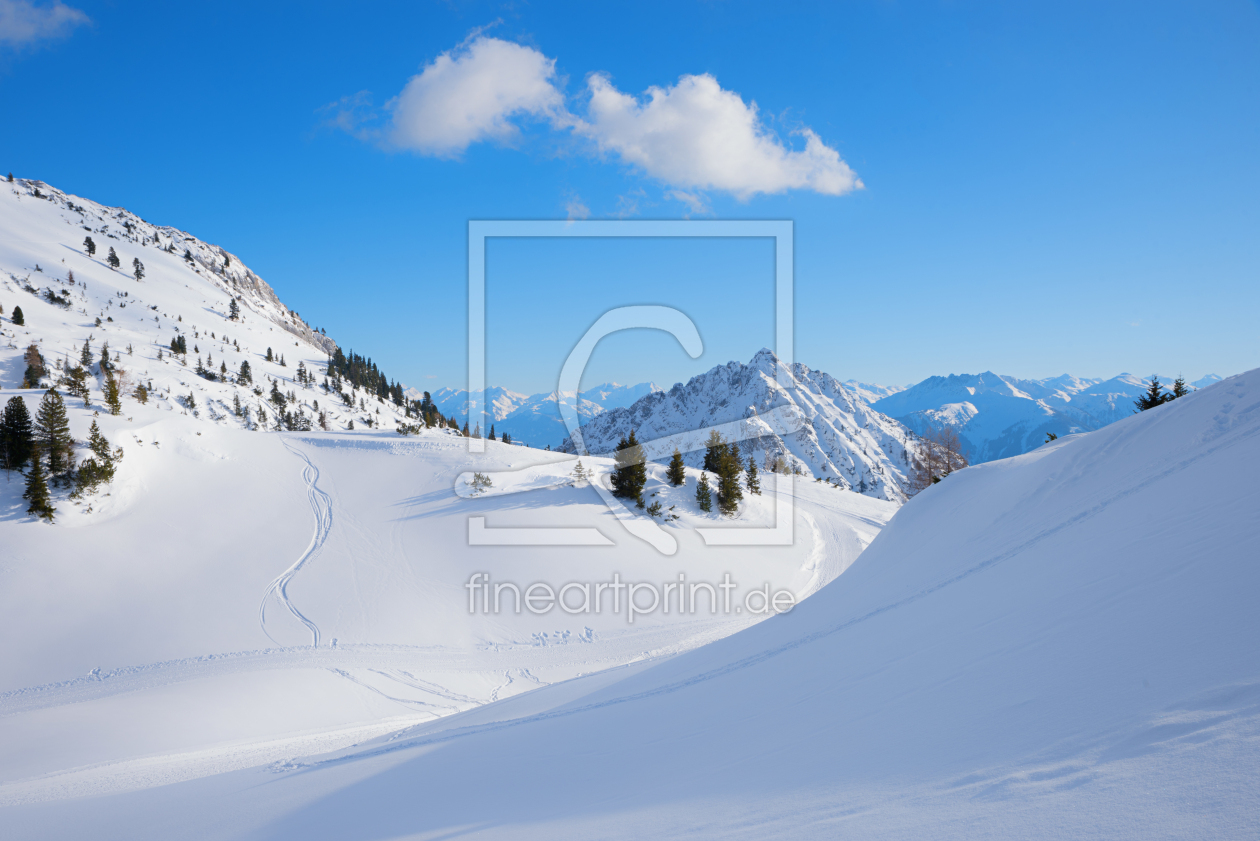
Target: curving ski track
{"points": [[321, 507]]}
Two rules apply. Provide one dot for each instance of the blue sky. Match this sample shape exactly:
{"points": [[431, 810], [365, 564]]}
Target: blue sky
{"points": [[1045, 188]]}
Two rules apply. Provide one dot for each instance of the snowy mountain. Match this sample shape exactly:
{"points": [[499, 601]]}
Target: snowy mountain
{"points": [[1057, 645], [999, 416], [842, 439], [187, 290], [535, 419]]}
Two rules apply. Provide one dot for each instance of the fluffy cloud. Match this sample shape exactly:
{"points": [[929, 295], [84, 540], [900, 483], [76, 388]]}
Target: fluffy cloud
{"points": [[693, 137], [473, 93], [697, 135], [22, 22]]}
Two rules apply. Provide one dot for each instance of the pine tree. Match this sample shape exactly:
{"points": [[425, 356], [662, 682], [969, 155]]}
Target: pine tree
{"points": [[85, 355], [89, 246], [245, 376], [52, 433], [714, 452], [269, 357], [729, 493], [112, 399], [16, 435], [754, 483], [1180, 389], [106, 365], [580, 476], [630, 475], [704, 496], [677, 471], [37, 489], [142, 394], [99, 467], [112, 259], [234, 310], [139, 268], [18, 318], [1153, 397], [492, 438]]}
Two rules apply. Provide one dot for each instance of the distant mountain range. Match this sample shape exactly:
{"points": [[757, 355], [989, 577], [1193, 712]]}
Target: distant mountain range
{"points": [[534, 419], [1000, 416], [996, 416]]}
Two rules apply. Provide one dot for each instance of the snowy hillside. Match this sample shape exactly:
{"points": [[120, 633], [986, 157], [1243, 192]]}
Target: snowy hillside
{"points": [[842, 439], [534, 419], [1059, 645], [998, 416], [187, 291]]}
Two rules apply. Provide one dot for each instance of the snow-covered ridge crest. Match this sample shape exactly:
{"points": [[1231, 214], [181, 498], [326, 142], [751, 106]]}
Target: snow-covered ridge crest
{"points": [[841, 438]]}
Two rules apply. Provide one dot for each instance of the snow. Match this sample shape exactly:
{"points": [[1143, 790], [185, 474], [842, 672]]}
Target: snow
{"points": [[1061, 644]]}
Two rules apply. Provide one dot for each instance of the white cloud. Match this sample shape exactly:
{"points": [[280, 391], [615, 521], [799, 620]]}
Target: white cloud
{"points": [[697, 135], [693, 137], [576, 208], [22, 22], [695, 202], [473, 93]]}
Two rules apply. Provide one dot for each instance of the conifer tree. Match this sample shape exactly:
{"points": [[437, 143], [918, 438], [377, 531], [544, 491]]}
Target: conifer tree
{"points": [[112, 398], [16, 435], [138, 268], [704, 496], [52, 433], [754, 483], [234, 310], [1153, 397], [112, 259], [580, 476], [269, 357], [245, 376], [141, 394], [89, 246], [18, 318], [1180, 389], [630, 475], [677, 472], [106, 365], [37, 489], [729, 493], [491, 437]]}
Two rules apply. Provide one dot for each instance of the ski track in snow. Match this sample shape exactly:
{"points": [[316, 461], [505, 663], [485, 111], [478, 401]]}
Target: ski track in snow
{"points": [[321, 507]]}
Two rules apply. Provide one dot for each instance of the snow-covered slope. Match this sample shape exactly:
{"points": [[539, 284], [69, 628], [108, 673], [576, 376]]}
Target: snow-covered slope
{"points": [[998, 416], [42, 243], [1059, 645], [534, 419], [842, 439]]}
